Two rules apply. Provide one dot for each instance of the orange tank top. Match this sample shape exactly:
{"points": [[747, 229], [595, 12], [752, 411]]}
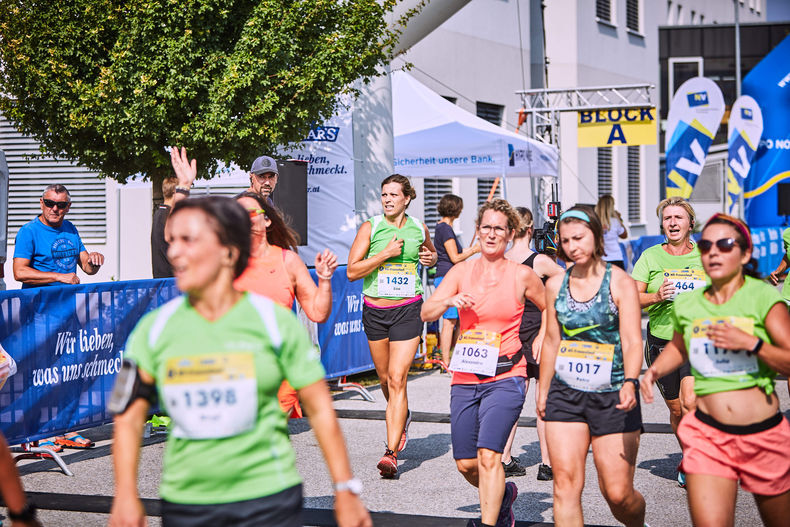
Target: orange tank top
{"points": [[268, 276], [496, 309]]}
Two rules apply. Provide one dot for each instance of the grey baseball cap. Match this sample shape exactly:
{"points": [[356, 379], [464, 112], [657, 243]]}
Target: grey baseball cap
{"points": [[264, 164]]}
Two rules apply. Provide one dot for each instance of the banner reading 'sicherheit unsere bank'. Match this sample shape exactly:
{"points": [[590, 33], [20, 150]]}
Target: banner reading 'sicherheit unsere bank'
{"points": [[694, 118], [743, 137]]}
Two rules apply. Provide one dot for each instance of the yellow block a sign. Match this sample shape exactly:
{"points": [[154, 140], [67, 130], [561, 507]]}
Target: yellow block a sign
{"points": [[618, 126]]}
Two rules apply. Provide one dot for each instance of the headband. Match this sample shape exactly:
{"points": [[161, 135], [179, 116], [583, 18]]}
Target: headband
{"points": [[739, 225], [575, 213]]}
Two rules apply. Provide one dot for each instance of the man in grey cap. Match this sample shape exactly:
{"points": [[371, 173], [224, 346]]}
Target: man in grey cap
{"points": [[263, 177]]}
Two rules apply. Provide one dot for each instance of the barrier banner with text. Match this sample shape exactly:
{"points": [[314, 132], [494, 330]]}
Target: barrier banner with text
{"points": [[68, 344], [344, 345], [694, 118]]}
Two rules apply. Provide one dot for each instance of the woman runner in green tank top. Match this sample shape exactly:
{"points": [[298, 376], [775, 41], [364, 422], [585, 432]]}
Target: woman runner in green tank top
{"points": [[589, 366], [385, 253], [736, 335]]}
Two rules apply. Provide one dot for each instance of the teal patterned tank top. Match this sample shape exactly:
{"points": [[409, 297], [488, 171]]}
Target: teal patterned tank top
{"points": [[594, 321]]}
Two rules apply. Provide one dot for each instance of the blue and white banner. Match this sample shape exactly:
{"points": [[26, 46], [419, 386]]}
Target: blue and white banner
{"points": [[743, 138], [769, 84], [329, 151], [344, 345], [68, 344], [694, 118]]}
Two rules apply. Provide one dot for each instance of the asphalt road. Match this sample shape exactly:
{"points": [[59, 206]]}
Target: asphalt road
{"points": [[429, 491]]}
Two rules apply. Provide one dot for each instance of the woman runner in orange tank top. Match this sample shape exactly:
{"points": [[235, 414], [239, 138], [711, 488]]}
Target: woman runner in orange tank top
{"points": [[277, 272], [489, 368]]}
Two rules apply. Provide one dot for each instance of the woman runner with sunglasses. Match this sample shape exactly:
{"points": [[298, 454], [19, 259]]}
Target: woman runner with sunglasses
{"points": [[588, 374], [276, 271], [661, 272], [385, 253], [488, 364], [735, 335]]}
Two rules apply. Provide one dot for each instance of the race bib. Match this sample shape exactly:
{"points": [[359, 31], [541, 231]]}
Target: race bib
{"points": [[476, 351], [711, 361], [685, 279], [397, 280], [211, 396], [585, 366]]}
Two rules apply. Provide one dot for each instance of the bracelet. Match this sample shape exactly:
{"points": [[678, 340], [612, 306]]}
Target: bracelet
{"points": [[757, 347], [632, 380], [27, 514], [182, 190], [324, 277]]}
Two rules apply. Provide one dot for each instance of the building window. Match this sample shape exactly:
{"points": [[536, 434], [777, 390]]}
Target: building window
{"points": [[604, 170], [490, 112], [28, 178], [632, 15], [433, 190], [634, 185], [484, 189], [708, 187], [603, 10]]}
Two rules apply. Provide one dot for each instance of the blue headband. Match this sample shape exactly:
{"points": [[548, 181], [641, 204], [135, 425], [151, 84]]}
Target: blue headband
{"points": [[578, 214]]}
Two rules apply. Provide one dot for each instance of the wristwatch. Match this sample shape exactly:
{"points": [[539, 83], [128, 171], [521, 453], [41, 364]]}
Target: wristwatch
{"points": [[182, 190], [27, 514], [633, 380], [354, 486]]}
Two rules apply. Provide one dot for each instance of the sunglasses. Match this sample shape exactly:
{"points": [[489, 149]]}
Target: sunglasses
{"points": [[254, 213], [725, 245], [62, 205]]}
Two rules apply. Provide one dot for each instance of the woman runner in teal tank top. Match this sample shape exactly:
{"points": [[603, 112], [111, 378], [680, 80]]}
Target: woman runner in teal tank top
{"points": [[736, 335], [589, 366], [385, 253]]}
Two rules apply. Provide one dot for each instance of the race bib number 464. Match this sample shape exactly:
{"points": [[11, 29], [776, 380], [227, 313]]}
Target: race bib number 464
{"points": [[585, 366], [711, 361], [397, 280], [211, 396], [685, 279], [476, 351]]}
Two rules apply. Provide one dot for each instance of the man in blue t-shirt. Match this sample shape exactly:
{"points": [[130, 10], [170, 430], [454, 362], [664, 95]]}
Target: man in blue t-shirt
{"points": [[48, 249]]}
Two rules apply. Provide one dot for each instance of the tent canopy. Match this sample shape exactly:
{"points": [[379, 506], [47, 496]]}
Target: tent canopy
{"points": [[436, 138]]}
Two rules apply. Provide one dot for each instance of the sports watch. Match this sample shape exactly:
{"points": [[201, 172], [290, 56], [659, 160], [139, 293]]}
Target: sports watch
{"points": [[354, 486]]}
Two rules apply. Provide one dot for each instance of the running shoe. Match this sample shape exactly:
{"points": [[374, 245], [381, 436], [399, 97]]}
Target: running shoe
{"points": [[404, 438], [388, 465], [506, 517], [514, 468], [545, 473]]}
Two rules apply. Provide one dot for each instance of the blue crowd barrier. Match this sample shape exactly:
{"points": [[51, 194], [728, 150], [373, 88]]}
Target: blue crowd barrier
{"points": [[68, 344]]}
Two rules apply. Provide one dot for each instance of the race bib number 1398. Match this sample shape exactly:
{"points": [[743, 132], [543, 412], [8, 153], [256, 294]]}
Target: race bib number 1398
{"points": [[211, 396]]}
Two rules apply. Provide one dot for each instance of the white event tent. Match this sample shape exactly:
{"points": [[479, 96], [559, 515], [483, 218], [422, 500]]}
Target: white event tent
{"points": [[436, 138]]}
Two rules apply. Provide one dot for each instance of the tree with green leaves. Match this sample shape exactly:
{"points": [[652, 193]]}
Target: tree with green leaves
{"points": [[109, 84]]}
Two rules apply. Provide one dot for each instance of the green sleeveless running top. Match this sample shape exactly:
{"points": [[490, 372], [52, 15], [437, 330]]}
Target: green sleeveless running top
{"points": [[594, 321], [397, 277], [717, 370]]}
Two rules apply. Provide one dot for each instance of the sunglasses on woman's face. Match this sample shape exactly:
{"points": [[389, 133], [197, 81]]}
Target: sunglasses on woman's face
{"points": [[724, 245]]}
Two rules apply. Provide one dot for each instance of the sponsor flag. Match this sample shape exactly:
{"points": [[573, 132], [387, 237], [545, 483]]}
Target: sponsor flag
{"points": [[743, 137], [769, 84], [694, 118]]}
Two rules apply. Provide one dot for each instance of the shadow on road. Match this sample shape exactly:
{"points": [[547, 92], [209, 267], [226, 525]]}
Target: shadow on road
{"points": [[421, 449], [663, 467]]}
